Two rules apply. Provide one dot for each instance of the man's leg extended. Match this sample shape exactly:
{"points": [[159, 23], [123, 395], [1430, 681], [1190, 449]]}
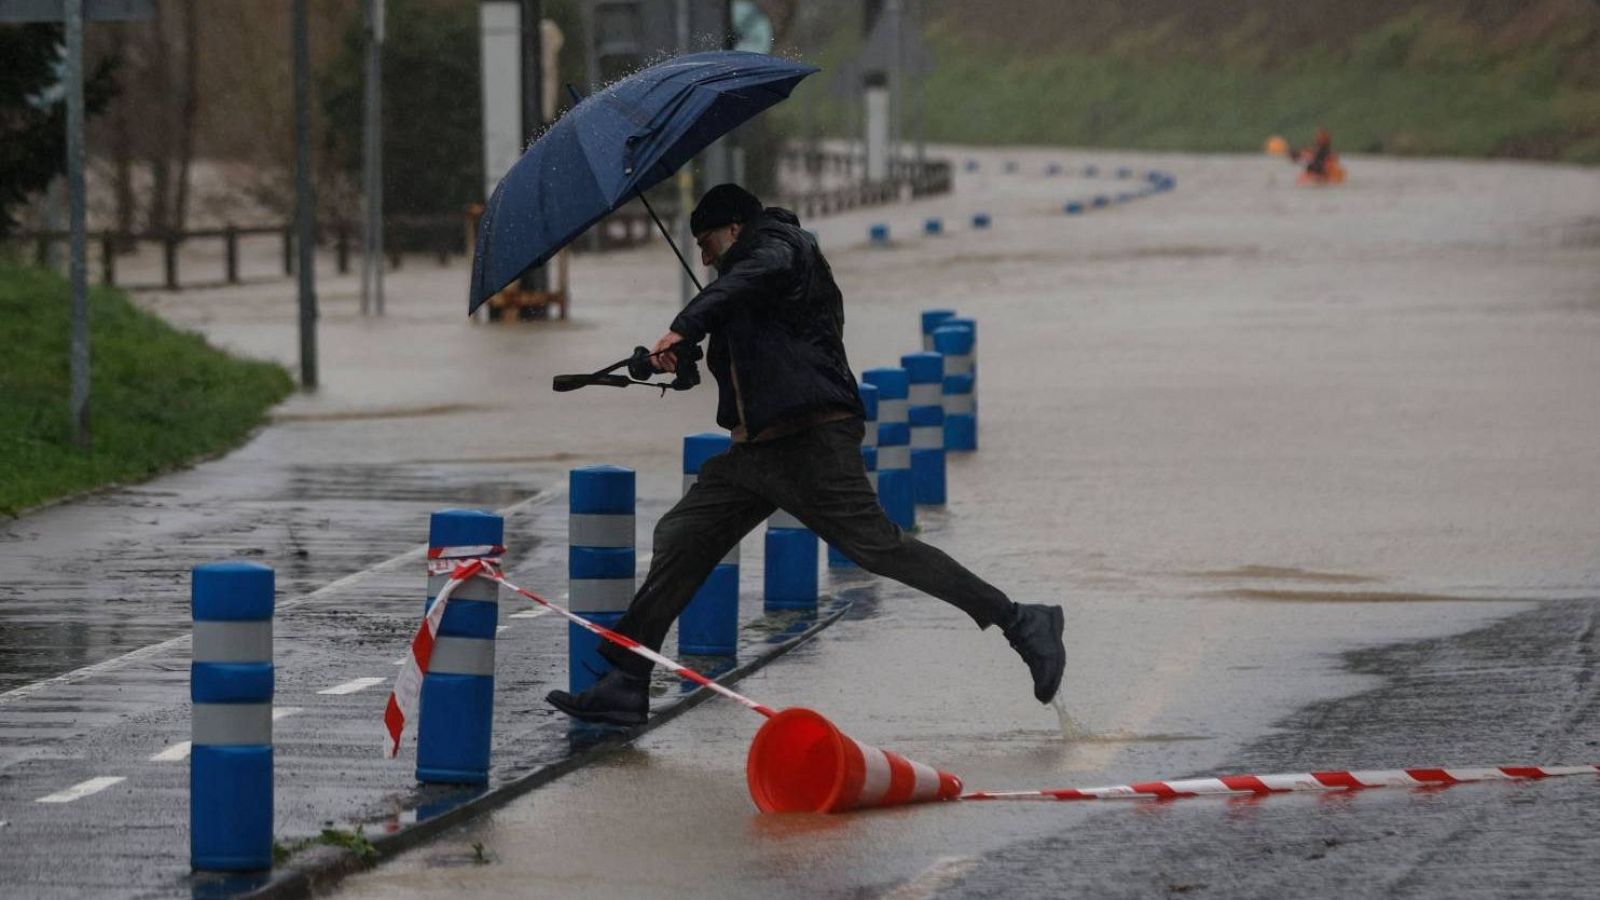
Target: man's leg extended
{"points": [[689, 541], [824, 485]]}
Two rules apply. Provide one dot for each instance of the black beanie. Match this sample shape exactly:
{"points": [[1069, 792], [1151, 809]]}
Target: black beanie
{"points": [[724, 204]]}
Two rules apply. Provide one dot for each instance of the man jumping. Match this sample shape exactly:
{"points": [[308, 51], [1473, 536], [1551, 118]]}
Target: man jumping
{"points": [[786, 392]]}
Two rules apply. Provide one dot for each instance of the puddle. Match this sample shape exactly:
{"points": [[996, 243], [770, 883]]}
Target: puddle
{"points": [[1352, 597], [1282, 573]]}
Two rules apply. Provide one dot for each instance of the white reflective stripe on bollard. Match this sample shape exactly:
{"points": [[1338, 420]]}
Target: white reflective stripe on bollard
{"points": [[892, 411], [869, 437], [872, 479], [231, 724], [224, 641], [781, 519], [957, 363], [600, 594], [925, 394], [454, 655], [927, 437], [591, 530], [897, 457], [958, 404]]}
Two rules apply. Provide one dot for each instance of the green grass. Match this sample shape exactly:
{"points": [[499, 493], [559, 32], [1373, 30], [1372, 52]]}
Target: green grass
{"points": [[159, 399], [982, 95], [1415, 86]]}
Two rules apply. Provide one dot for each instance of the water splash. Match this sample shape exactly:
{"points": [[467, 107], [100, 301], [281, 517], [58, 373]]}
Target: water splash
{"points": [[1071, 729]]}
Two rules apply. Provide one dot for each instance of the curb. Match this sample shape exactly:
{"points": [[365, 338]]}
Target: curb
{"points": [[325, 867]]}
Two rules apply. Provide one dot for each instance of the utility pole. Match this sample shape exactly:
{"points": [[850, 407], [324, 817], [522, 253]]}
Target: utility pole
{"points": [[533, 113], [372, 170], [305, 199], [77, 270]]}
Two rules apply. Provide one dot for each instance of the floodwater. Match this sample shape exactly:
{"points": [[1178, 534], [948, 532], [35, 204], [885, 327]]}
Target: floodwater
{"points": [[1311, 471]]}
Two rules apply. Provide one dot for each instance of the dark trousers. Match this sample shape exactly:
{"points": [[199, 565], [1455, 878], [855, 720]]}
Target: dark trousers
{"points": [[816, 476]]}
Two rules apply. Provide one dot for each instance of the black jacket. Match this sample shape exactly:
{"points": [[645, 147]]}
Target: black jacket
{"points": [[775, 317]]}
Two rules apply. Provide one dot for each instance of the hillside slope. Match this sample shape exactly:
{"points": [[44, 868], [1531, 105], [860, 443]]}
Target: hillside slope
{"points": [[1517, 78]]}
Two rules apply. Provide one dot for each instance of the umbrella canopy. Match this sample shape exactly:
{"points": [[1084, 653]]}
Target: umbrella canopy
{"points": [[613, 145]]}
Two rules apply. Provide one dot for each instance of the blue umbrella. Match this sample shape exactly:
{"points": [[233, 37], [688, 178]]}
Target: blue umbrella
{"points": [[614, 145]]}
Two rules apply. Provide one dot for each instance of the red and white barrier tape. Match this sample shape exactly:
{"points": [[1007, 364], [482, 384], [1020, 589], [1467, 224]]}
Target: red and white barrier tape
{"points": [[443, 560], [462, 566], [402, 705], [1281, 784], [632, 645]]}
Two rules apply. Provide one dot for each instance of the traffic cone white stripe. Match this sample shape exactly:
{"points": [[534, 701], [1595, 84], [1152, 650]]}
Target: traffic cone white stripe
{"points": [[875, 784], [927, 782]]}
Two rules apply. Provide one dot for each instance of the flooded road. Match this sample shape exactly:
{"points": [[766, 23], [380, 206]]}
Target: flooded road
{"points": [[1312, 472]]}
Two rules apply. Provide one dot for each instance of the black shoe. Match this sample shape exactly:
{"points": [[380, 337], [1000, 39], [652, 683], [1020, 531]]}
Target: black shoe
{"points": [[1036, 636], [616, 699]]}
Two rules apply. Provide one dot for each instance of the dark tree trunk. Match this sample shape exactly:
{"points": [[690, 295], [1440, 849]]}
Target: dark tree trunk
{"points": [[189, 110], [159, 78]]}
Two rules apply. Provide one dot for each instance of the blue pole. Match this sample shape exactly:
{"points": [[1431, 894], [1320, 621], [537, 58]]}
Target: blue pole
{"points": [[926, 418], [895, 489], [960, 419], [931, 319], [869, 442], [230, 686], [456, 717], [709, 625], [600, 561]]}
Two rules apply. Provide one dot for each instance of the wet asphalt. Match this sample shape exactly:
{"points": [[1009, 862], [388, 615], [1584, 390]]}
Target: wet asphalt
{"points": [[1312, 472]]}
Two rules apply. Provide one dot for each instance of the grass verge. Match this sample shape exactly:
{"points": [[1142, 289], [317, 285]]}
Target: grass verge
{"points": [[159, 397]]}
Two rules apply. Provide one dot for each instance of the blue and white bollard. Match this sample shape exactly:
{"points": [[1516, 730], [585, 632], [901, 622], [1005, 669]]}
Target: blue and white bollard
{"points": [[1090, 171], [1073, 208], [980, 221], [869, 457], [230, 685], [600, 562], [960, 415], [926, 418], [878, 235], [1101, 201], [1053, 169], [709, 625], [931, 319], [933, 226], [895, 489], [456, 711], [790, 581], [1124, 172], [972, 165]]}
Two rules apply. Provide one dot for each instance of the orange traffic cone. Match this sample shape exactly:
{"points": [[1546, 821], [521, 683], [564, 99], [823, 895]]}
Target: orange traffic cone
{"points": [[799, 762]]}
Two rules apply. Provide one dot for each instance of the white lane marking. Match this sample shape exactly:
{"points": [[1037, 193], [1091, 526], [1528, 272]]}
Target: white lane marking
{"points": [[500, 628], [529, 613], [350, 687], [391, 563], [944, 872], [284, 712], [82, 789], [401, 661], [176, 753]]}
